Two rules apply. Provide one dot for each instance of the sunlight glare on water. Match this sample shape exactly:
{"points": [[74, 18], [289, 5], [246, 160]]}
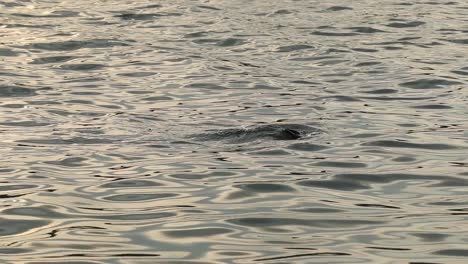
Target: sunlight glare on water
{"points": [[233, 131]]}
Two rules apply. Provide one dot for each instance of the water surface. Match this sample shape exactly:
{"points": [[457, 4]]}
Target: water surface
{"points": [[233, 131]]}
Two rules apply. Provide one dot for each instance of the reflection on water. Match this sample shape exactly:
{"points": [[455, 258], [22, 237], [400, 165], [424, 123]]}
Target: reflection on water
{"points": [[233, 131]]}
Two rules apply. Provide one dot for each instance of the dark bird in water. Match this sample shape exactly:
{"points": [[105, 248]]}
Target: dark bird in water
{"points": [[269, 131]]}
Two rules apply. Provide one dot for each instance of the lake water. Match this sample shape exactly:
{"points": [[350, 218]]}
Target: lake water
{"points": [[216, 131]]}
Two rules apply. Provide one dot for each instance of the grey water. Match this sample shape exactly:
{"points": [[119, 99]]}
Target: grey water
{"points": [[216, 131]]}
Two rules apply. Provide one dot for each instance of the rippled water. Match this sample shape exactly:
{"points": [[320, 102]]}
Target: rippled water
{"points": [[233, 131]]}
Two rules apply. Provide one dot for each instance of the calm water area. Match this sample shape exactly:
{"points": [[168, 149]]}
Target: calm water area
{"points": [[234, 131]]}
